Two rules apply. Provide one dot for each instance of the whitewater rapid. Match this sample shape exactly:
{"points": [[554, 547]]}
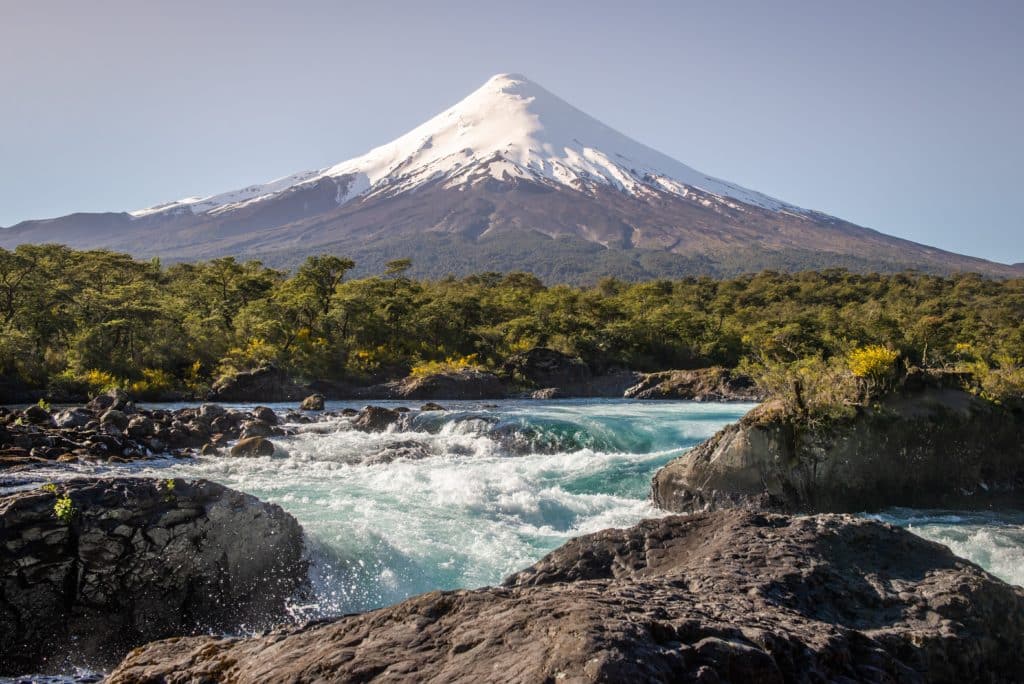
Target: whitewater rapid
{"points": [[464, 497]]}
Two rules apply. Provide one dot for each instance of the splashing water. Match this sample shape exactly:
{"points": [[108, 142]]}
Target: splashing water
{"points": [[994, 540], [464, 497]]}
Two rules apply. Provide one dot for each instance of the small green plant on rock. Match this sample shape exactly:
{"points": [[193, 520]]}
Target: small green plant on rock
{"points": [[43, 404], [49, 487], [64, 509]]}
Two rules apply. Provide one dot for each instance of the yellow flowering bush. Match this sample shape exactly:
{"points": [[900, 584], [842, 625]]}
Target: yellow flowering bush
{"points": [[452, 364]]}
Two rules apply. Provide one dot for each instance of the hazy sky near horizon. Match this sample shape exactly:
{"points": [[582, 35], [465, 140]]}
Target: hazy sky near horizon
{"points": [[907, 117]]}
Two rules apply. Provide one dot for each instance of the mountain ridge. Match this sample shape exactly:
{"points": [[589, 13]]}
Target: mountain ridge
{"points": [[509, 159]]}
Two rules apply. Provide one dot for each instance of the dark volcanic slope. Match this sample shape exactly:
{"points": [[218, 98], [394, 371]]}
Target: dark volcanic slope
{"points": [[514, 224]]}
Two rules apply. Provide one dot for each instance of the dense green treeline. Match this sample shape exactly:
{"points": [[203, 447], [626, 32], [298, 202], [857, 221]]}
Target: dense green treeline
{"points": [[72, 320]]}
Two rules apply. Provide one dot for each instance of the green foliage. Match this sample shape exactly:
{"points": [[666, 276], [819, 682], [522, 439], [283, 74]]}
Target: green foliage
{"points": [[450, 365], [63, 509], [82, 322], [811, 388], [43, 404], [49, 487]]}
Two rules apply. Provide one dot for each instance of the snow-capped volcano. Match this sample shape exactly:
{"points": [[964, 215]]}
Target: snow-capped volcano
{"points": [[512, 178], [508, 128]]}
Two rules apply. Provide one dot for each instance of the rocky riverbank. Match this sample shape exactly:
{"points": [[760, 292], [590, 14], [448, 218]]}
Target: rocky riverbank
{"points": [[111, 428], [727, 596], [924, 445], [91, 568]]}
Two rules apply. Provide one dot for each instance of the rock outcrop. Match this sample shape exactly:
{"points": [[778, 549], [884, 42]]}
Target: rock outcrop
{"points": [[464, 384], [543, 367], [111, 428], [730, 596], [268, 383], [92, 568], [704, 384], [921, 447]]}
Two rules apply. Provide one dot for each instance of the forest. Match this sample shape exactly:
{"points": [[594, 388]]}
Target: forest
{"points": [[85, 321]]}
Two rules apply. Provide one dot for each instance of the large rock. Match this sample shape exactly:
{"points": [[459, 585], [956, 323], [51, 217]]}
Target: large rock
{"points": [[261, 384], [115, 399], [724, 597], [929, 447], [132, 560], [558, 375], [253, 446], [543, 367], [314, 402], [705, 384], [375, 419], [464, 384]]}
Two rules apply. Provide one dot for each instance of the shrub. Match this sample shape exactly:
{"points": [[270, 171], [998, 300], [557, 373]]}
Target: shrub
{"points": [[154, 382], [810, 388], [64, 509], [98, 381], [874, 366], [873, 362], [452, 364]]}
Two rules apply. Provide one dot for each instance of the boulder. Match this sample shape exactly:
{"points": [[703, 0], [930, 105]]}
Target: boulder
{"points": [[923, 448], [211, 412], [253, 446], [73, 418], [375, 419], [431, 406], [705, 384], [265, 414], [730, 596], [37, 415], [255, 428], [543, 367], [140, 427], [268, 383], [116, 399], [116, 418], [100, 566], [463, 384], [314, 402]]}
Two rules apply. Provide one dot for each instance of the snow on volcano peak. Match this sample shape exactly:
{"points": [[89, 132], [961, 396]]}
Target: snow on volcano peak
{"points": [[509, 127]]}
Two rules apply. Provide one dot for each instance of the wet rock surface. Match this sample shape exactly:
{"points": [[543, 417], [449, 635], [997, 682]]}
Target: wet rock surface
{"points": [[922, 448], [705, 384], [730, 596], [128, 560], [112, 429]]}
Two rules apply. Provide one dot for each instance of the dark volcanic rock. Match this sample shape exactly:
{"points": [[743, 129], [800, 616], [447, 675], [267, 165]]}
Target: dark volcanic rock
{"points": [[37, 415], [261, 384], [375, 419], [705, 384], [543, 367], [253, 446], [464, 384], [116, 399], [265, 414], [729, 596], [136, 560], [314, 402], [926, 448]]}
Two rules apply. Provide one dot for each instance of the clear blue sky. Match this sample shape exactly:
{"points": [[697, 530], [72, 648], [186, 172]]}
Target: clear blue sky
{"points": [[902, 116]]}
